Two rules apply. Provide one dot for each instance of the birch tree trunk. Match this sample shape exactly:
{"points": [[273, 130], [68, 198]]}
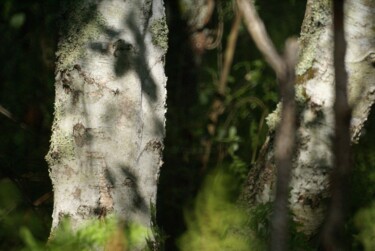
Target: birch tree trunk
{"points": [[313, 160], [107, 136]]}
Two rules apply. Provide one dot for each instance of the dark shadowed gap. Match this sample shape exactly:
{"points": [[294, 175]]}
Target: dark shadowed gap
{"points": [[179, 176]]}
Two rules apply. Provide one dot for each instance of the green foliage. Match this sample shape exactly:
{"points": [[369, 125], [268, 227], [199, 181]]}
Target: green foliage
{"points": [[107, 233], [260, 230], [15, 216], [94, 233], [213, 222], [30, 242], [362, 220], [364, 171], [249, 100], [241, 129], [217, 222], [17, 20], [231, 139], [260, 222], [157, 241], [365, 222]]}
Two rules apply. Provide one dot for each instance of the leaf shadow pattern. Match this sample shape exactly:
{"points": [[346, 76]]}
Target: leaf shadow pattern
{"points": [[125, 57]]}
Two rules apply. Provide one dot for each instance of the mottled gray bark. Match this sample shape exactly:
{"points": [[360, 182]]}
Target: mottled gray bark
{"points": [[313, 160], [108, 130]]}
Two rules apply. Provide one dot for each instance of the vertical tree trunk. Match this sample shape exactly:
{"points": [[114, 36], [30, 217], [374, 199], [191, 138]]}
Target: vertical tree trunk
{"points": [[107, 136], [315, 95]]}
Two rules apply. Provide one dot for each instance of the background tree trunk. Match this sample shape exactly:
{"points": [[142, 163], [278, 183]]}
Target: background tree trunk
{"points": [[315, 96], [107, 136]]}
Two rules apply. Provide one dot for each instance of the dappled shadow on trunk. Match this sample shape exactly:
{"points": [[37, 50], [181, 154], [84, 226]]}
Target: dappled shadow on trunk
{"points": [[313, 163], [116, 115]]}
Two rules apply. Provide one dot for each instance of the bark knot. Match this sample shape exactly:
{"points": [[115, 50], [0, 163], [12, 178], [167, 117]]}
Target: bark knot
{"points": [[121, 47], [79, 134], [154, 145], [371, 59]]}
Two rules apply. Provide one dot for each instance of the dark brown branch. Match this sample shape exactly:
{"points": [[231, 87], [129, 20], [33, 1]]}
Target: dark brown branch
{"points": [[333, 238], [285, 135], [284, 149], [217, 107], [258, 32], [229, 53]]}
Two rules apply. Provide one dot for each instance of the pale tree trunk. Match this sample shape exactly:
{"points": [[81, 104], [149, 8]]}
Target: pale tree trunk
{"points": [[107, 136], [313, 160]]}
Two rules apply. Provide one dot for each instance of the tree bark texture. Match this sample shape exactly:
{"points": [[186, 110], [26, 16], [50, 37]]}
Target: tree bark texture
{"points": [[107, 136], [313, 160]]}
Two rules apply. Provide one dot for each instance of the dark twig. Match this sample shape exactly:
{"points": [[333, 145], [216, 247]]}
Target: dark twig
{"points": [[258, 32], [333, 235], [285, 135], [10, 116], [217, 107], [284, 148]]}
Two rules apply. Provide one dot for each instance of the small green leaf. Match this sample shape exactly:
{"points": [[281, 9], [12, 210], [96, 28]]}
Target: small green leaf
{"points": [[17, 20]]}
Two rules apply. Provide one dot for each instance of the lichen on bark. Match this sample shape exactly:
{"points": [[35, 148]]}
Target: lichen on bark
{"points": [[316, 18], [61, 143], [159, 32], [82, 23], [273, 119], [313, 162], [100, 160]]}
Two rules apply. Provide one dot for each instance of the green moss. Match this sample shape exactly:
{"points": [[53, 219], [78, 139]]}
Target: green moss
{"points": [[318, 17], [300, 95], [273, 119], [159, 32], [62, 143], [307, 58], [365, 222], [215, 221], [83, 24]]}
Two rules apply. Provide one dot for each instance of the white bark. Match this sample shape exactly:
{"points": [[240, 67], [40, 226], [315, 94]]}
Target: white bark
{"points": [[315, 95], [107, 135]]}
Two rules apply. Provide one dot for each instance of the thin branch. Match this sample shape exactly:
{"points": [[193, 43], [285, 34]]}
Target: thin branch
{"points": [[10, 116], [258, 32], [217, 107], [229, 53], [285, 134], [7, 114], [333, 238], [284, 149]]}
